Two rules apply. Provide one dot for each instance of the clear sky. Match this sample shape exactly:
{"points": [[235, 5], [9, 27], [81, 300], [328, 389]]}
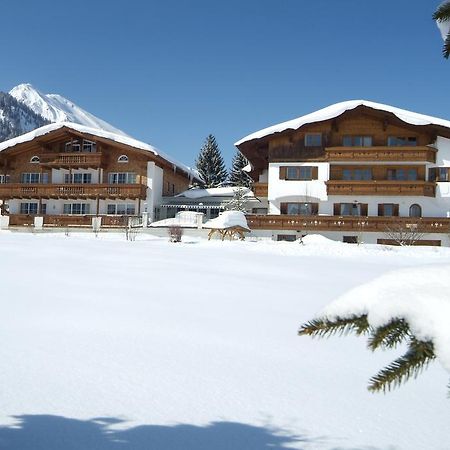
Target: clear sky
{"points": [[171, 72]]}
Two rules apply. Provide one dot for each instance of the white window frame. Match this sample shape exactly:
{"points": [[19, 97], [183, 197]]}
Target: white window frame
{"points": [[122, 178], [25, 207], [84, 209], [35, 159], [122, 159]]}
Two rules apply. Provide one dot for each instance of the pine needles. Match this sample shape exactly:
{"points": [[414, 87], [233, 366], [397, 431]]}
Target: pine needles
{"points": [[417, 357]]}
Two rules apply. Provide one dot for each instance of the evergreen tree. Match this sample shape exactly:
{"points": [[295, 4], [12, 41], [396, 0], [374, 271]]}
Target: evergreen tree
{"points": [[442, 14], [238, 202], [210, 164], [237, 176], [417, 357]]}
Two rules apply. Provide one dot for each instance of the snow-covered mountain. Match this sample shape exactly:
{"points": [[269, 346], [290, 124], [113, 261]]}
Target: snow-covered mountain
{"points": [[55, 108], [17, 118]]}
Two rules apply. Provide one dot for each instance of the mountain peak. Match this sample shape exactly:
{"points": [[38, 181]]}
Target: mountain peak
{"points": [[56, 108]]}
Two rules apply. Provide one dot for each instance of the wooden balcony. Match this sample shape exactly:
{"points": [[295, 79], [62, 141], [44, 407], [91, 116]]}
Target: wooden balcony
{"points": [[297, 153], [381, 187], [348, 223], [79, 191], [71, 160], [353, 154], [27, 220], [260, 189]]}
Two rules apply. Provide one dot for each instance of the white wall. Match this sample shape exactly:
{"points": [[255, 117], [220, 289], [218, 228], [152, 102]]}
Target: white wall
{"points": [[154, 188]]}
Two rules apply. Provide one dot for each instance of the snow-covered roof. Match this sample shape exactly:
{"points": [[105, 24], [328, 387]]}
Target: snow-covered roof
{"points": [[228, 219], [228, 191], [120, 138], [332, 111]]}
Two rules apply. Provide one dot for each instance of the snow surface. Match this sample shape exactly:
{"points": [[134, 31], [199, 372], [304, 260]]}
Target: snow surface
{"points": [[183, 219], [420, 296], [332, 111], [115, 345], [444, 28], [123, 139], [228, 191], [227, 219], [56, 108]]}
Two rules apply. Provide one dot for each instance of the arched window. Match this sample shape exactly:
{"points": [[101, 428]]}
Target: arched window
{"points": [[415, 210], [122, 159], [35, 159]]}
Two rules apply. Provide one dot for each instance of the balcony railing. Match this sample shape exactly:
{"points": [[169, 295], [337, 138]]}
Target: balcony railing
{"points": [[414, 154], [381, 187], [71, 160], [260, 189], [68, 221], [8, 191], [349, 223]]}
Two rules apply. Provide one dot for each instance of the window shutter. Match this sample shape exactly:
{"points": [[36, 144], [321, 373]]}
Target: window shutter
{"points": [[432, 174], [315, 173], [380, 209], [283, 208], [364, 209], [396, 210], [315, 209], [283, 171], [337, 209]]}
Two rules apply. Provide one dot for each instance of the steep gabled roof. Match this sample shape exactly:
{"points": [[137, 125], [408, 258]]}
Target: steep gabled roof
{"points": [[119, 138], [333, 111]]}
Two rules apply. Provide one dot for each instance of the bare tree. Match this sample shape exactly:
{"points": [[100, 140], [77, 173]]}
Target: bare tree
{"points": [[404, 234]]}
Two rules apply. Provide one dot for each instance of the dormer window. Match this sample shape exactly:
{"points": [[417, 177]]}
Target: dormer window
{"points": [[122, 159], [35, 160]]}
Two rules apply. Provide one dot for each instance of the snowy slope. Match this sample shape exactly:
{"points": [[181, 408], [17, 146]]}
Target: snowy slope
{"points": [[332, 111], [150, 345], [56, 108]]}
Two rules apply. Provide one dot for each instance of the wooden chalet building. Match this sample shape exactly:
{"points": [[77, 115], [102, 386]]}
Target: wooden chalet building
{"points": [[68, 173], [351, 169]]}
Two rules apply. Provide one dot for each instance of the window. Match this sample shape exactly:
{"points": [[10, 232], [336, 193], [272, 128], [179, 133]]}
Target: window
{"points": [[388, 209], [395, 141], [123, 209], [350, 239], [299, 173], [122, 178], [350, 209], [76, 208], [260, 210], [122, 159], [357, 141], [357, 174], [34, 159], [415, 210], [73, 146], [402, 174], [44, 208], [439, 174], [286, 237], [34, 178], [4, 179], [88, 146], [313, 140], [299, 209], [78, 178], [28, 208]]}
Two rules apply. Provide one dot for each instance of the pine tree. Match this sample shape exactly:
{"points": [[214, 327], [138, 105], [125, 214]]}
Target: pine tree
{"points": [[210, 164], [442, 14], [237, 176], [417, 357], [238, 202]]}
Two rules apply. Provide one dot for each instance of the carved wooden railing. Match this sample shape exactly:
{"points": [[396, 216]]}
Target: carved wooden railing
{"points": [[23, 190], [68, 220], [381, 187], [72, 160], [345, 223], [415, 154]]}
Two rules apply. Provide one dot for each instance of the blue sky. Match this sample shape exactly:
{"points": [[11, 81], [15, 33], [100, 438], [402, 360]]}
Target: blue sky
{"points": [[171, 72]]}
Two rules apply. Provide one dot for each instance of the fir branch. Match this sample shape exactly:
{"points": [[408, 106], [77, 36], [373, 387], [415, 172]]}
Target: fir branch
{"points": [[418, 356], [389, 335], [442, 14], [342, 326]]}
